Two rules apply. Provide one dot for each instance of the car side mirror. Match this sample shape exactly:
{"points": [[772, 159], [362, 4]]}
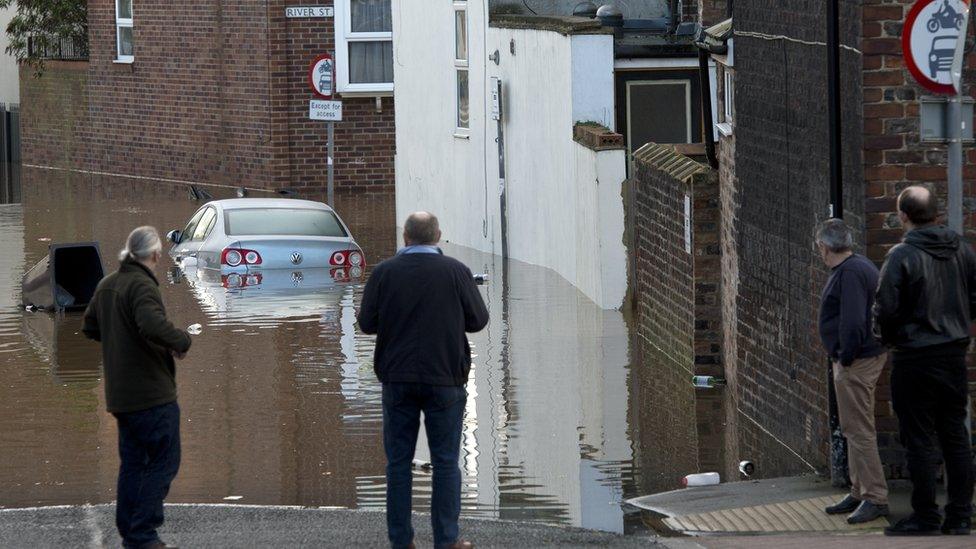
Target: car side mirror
{"points": [[175, 236]]}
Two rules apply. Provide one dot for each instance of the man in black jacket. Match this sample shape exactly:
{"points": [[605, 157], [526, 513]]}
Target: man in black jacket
{"points": [[420, 304], [138, 346], [923, 310], [845, 329]]}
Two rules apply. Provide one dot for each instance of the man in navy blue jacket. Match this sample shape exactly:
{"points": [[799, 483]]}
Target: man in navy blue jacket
{"points": [[847, 335], [420, 304]]}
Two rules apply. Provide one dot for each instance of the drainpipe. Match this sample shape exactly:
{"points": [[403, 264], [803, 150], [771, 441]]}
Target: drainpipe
{"points": [[728, 8], [833, 108], [706, 94]]}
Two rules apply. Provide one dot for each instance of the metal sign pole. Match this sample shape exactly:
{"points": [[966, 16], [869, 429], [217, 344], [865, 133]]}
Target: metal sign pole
{"points": [[331, 162], [954, 205], [955, 163]]}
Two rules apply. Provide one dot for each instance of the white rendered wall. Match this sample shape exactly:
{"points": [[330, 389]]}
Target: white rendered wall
{"points": [[564, 204], [435, 169], [9, 77]]}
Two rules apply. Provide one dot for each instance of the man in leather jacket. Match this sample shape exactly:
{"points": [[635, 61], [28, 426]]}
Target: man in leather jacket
{"points": [[924, 307]]}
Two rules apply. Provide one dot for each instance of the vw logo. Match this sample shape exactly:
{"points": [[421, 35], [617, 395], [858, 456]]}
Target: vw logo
{"points": [[296, 258]]}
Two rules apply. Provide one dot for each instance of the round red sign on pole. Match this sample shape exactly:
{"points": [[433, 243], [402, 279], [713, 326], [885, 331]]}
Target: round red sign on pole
{"points": [[321, 76], [928, 41]]}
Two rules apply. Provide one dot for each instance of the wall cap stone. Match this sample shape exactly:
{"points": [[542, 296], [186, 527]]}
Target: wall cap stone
{"points": [[563, 25], [667, 159]]}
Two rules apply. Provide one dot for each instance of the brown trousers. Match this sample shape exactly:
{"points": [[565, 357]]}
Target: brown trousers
{"points": [[855, 386]]}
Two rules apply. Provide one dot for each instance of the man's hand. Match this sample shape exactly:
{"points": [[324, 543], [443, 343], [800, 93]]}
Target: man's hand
{"points": [[177, 355]]}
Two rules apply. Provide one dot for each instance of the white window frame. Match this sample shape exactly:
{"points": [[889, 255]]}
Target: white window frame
{"points": [[119, 24], [461, 65], [343, 36], [728, 102]]}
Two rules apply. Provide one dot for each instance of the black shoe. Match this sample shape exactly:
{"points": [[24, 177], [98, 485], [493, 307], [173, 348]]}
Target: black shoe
{"points": [[957, 527], [846, 505], [911, 526], [866, 512]]}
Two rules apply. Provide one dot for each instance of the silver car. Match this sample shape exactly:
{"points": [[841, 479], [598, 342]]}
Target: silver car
{"points": [[245, 237]]}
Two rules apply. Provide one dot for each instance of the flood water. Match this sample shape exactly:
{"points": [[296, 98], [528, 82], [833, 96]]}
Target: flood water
{"points": [[280, 403]]}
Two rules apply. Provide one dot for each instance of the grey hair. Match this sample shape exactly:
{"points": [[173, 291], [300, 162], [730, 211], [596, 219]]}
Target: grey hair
{"points": [[835, 235], [142, 243], [421, 228]]}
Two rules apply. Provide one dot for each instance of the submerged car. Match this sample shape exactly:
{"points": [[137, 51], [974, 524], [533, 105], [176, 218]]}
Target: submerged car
{"points": [[244, 238]]}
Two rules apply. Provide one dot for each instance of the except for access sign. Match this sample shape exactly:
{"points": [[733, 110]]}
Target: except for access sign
{"points": [[932, 29], [330, 111]]}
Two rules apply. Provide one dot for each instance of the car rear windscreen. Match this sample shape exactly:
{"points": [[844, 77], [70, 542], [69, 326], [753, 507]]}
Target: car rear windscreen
{"points": [[282, 222]]}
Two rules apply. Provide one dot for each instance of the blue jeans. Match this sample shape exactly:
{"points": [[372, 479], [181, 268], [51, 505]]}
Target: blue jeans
{"points": [[149, 450], [443, 409]]}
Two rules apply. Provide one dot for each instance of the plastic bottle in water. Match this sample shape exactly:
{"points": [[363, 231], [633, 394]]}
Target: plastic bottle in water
{"points": [[707, 382], [701, 479], [194, 329]]}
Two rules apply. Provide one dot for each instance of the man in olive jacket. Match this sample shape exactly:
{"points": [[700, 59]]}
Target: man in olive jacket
{"points": [[138, 347]]}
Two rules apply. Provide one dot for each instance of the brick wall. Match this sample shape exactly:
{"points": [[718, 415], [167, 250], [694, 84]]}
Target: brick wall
{"points": [[770, 209], [894, 158], [709, 12], [217, 94], [676, 293]]}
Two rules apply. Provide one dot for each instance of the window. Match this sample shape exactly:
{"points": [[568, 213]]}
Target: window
{"points": [[461, 66], [191, 226], [659, 111], [205, 225], [282, 222], [726, 114], [728, 96], [364, 45], [123, 31]]}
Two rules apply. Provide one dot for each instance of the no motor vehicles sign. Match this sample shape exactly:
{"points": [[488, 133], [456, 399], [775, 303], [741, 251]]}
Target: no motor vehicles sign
{"points": [[932, 30]]}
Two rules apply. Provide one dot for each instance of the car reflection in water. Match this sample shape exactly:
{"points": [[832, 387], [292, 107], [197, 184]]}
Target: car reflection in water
{"points": [[266, 298]]}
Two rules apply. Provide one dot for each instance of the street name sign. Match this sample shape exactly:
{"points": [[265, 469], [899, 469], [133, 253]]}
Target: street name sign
{"points": [[317, 12], [321, 76], [330, 111], [930, 40]]}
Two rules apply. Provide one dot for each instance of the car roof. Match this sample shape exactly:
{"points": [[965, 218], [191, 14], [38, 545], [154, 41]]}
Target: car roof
{"points": [[290, 203]]}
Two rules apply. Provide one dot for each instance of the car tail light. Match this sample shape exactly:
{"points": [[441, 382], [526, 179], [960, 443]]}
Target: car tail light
{"points": [[238, 256], [348, 258]]}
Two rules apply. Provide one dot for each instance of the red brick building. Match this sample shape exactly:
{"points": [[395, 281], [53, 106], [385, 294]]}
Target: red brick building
{"points": [[773, 190], [216, 92]]}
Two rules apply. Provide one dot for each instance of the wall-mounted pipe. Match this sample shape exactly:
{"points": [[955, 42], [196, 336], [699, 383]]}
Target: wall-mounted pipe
{"points": [[833, 110]]}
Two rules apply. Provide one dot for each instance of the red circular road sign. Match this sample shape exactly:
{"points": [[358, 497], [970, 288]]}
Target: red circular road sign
{"points": [[928, 41], [321, 76]]}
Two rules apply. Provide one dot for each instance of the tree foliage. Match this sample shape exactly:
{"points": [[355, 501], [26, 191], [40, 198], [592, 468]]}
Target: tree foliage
{"points": [[41, 27]]}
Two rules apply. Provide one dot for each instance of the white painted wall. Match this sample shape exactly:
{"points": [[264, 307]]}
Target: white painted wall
{"points": [[565, 209], [9, 76]]}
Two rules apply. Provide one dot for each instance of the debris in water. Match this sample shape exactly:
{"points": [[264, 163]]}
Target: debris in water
{"points": [[44, 239], [701, 479], [233, 498], [747, 468], [421, 464], [30, 308], [194, 329], [707, 382]]}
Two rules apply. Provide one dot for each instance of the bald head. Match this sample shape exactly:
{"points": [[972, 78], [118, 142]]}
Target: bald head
{"points": [[918, 205], [421, 228]]}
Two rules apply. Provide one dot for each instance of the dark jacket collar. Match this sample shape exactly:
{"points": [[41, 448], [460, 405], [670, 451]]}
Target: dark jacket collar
{"points": [[129, 266]]}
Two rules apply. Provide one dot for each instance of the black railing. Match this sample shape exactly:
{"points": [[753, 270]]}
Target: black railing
{"points": [[70, 48]]}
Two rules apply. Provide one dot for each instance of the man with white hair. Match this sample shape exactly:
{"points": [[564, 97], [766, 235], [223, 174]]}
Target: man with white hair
{"points": [[846, 333], [138, 347]]}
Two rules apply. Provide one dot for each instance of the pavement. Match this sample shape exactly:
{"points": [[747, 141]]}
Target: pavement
{"points": [[777, 513], [205, 526]]}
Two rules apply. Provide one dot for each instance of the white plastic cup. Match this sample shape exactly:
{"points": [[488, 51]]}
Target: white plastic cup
{"points": [[700, 479]]}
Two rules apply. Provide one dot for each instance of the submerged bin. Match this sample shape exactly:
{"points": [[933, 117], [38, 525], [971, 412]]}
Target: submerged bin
{"points": [[65, 279]]}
